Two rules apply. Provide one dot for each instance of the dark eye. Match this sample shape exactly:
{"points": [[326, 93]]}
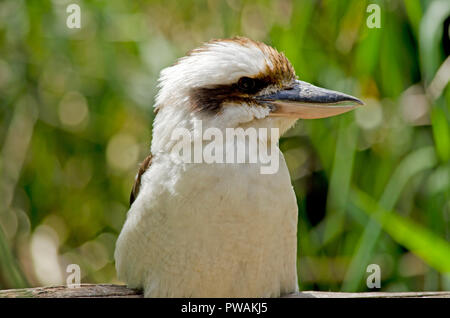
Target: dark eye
{"points": [[246, 84]]}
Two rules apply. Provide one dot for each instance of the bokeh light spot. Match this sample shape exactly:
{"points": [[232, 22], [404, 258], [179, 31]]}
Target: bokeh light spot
{"points": [[122, 152], [73, 110]]}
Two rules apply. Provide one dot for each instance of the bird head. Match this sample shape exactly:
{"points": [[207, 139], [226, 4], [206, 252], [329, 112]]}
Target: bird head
{"points": [[239, 82]]}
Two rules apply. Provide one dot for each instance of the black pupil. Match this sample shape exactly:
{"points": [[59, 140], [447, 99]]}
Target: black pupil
{"points": [[246, 83]]}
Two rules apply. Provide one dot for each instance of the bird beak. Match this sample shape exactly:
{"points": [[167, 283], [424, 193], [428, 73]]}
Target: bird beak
{"points": [[304, 100]]}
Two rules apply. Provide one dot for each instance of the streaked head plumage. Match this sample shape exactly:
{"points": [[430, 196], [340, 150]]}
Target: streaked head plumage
{"points": [[222, 68]]}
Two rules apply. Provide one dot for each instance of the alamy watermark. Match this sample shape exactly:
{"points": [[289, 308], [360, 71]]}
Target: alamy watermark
{"points": [[74, 278], [227, 146], [374, 279], [74, 18], [374, 18]]}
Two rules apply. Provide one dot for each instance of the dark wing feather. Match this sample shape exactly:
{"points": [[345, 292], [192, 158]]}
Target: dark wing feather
{"points": [[137, 183]]}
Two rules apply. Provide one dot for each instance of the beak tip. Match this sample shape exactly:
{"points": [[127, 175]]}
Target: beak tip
{"points": [[356, 101]]}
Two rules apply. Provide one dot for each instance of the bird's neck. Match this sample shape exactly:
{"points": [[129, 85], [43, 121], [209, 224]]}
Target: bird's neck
{"points": [[172, 120]]}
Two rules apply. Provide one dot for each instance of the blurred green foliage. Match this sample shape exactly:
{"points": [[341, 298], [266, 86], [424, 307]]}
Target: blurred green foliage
{"points": [[373, 185]]}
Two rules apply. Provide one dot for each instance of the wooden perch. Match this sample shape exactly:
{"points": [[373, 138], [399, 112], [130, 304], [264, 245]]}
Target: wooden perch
{"points": [[118, 291]]}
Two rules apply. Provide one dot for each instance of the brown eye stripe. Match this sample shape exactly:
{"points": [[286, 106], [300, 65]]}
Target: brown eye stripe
{"points": [[211, 98]]}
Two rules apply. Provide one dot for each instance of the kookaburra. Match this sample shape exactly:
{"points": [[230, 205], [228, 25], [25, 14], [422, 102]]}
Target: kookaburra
{"points": [[220, 229]]}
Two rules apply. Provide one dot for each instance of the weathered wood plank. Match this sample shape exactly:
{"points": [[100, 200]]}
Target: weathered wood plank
{"points": [[317, 294], [118, 291], [84, 291]]}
